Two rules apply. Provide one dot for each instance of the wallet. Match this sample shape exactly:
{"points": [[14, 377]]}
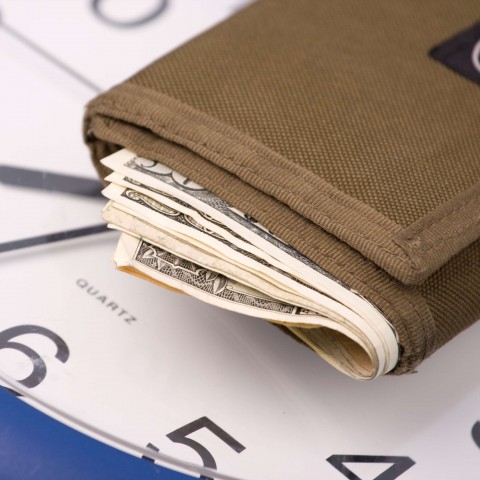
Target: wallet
{"points": [[350, 129]]}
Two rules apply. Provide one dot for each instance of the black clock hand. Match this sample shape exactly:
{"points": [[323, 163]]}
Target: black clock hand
{"points": [[55, 182], [52, 237]]}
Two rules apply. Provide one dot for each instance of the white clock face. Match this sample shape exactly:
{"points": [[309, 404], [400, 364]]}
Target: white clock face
{"points": [[149, 371]]}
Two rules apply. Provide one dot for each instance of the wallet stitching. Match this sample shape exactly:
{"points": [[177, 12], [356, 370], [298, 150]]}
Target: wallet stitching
{"points": [[428, 339], [430, 247], [405, 259], [341, 265], [406, 255], [433, 222], [252, 149]]}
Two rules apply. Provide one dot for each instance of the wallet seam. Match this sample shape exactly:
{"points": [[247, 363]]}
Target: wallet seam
{"points": [[404, 262], [408, 274], [425, 240], [404, 364]]}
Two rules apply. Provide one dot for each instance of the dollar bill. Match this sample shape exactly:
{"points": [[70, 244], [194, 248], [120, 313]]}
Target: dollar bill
{"points": [[133, 225], [154, 263], [278, 283], [150, 199], [162, 178], [177, 204]]}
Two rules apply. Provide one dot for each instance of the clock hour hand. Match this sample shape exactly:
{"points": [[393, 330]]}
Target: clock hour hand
{"points": [[52, 237], [54, 182]]}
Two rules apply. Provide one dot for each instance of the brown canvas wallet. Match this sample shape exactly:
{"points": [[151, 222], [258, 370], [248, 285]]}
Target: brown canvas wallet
{"points": [[351, 129]]}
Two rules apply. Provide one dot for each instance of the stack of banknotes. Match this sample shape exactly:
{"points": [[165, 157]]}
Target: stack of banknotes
{"points": [[181, 236]]}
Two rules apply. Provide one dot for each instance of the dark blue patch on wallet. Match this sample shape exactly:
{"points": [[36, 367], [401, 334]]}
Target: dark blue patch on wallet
{"points": [[461, 53]]}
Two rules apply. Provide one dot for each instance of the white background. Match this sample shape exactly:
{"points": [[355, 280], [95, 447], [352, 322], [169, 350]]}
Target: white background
{"points": [[181, 360]]}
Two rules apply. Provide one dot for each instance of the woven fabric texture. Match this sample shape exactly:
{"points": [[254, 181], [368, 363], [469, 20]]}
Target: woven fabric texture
{"points": [[345, 89], [329, 123]]}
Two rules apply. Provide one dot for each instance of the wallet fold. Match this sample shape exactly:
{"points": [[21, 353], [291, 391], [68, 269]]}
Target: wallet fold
{"points": [[330, 124]]}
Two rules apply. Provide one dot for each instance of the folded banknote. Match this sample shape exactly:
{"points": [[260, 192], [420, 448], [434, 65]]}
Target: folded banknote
{"points": [[315, 163]]}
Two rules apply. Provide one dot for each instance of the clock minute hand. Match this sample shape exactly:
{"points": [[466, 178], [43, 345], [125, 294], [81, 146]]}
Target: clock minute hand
{"points": [[50, 181]]}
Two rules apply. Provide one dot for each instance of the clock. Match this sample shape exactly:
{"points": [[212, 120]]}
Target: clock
{"points": [[188, 389]]}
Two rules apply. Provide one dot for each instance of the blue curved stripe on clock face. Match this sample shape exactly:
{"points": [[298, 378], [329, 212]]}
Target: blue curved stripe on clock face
{"points": [[33, 446]]}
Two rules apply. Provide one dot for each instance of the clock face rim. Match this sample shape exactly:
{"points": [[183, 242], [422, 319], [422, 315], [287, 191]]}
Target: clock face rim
{"points": [[148, 452]]}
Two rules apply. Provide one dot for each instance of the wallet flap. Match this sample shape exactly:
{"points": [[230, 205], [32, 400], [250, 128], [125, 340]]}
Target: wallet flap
{"points": [[342, 127], [409, 254]]}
